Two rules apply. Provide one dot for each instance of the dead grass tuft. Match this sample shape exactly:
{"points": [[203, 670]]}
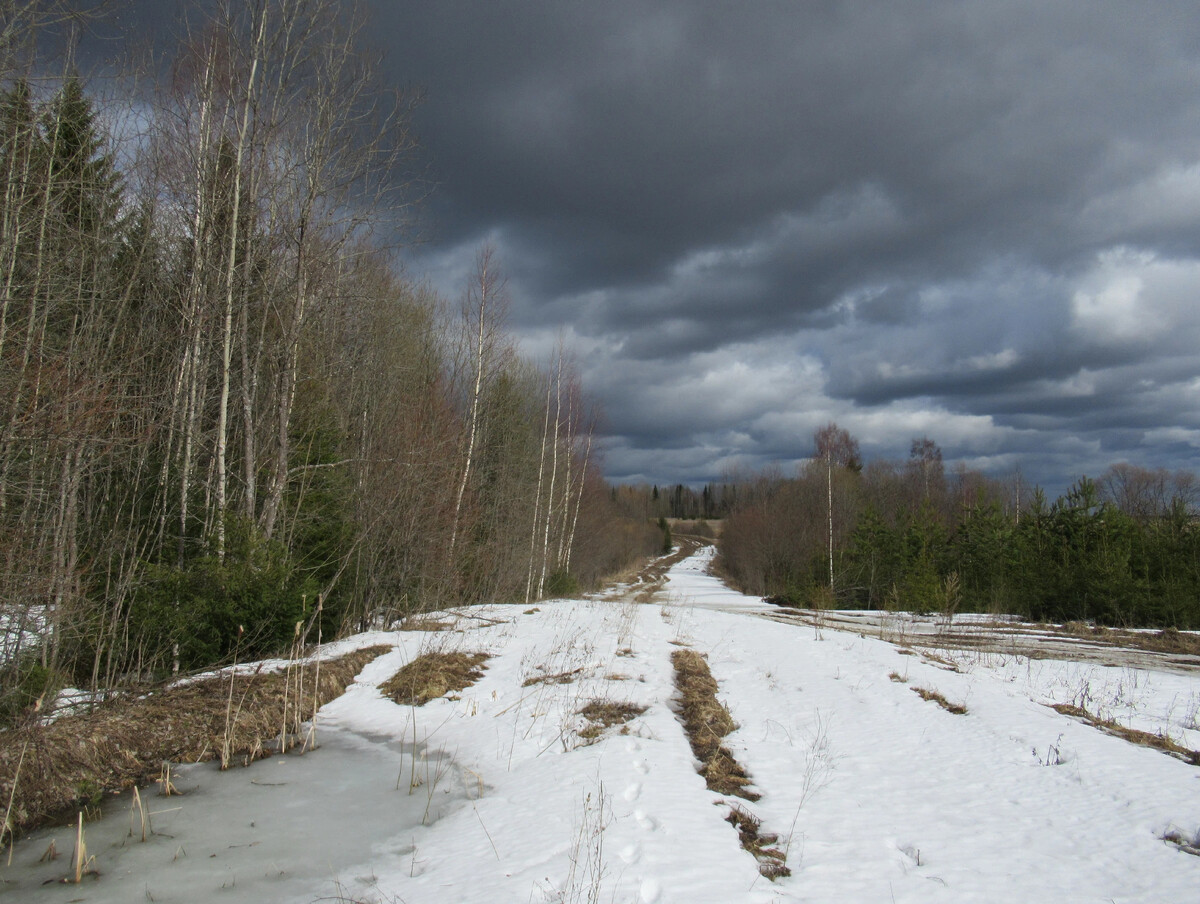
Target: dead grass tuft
{"points": [[1168, 640], [1185, 844], [124, 742], [559, 678], [772, 862], [426, 624], [926, 694], [1132, 735], [434, 675], [897, 677], [604, 714], [706, 721]]}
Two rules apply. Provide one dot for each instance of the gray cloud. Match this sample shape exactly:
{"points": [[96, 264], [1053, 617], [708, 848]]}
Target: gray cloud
{"points": [[974, 220]]}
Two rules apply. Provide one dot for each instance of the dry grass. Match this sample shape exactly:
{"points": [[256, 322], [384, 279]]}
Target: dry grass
{"points": [[426, 624], [898, 678], [1168, 640], [124, 742], [772, 862], [604, 714], [434, 675], [1181, 841], [1132, 735], [559, 678], [706, 721], [939, 661], [926, 694]]}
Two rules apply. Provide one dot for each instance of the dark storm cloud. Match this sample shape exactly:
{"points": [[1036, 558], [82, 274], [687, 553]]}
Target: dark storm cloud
{"points": [[974, 220]]}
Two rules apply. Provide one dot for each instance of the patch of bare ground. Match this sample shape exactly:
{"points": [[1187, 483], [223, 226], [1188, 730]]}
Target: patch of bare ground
{"points": [[772, 862], [425, 624], [707, 721], [1132, 735], [434, 675], [1169, 640], [125, 741], [604, 714], [651, 578], [926, 694]]}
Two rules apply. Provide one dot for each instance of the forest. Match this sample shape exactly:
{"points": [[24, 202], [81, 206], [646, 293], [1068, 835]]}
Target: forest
{"points": [[1122, 549], [227, 421]]}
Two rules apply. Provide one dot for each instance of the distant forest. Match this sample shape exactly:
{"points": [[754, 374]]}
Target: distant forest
{"points": [[1122, 549], [226, 422]]}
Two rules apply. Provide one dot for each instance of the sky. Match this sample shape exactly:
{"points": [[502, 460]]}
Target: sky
{"points": [[974, 221]]}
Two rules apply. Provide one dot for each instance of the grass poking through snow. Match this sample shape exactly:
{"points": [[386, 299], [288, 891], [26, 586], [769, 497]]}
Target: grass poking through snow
{"points": [[125, 741], [772, 862], [604, 714], [434, 675], [1132, 735], [560, 678], [926, 694], [706, 721]]}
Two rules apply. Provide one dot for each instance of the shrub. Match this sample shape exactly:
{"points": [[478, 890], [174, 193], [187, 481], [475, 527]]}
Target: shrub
{"points": [[562, 583]]}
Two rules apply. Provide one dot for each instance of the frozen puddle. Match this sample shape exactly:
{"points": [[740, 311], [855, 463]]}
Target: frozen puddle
{"points": [[288, 828]]}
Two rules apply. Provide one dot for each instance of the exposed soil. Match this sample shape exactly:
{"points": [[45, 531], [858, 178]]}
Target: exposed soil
{"points": [[651, 579]]}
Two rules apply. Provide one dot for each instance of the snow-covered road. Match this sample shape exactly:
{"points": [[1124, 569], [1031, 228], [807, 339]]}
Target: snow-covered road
{"points": [[876, 793]]}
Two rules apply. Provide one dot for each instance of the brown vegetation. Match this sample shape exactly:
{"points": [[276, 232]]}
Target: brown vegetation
{"points": [[604, 714], [707, 721], [926, 694], [1169, 640], [1132, 735], [125, 741], [559, 678], [772, 862], [434, 675]]}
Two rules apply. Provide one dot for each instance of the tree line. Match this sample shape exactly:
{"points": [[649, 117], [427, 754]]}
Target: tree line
{"points": [[225, 418], [1123, 549]]}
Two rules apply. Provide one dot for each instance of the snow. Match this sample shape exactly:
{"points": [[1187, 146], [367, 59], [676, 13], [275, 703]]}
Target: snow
{"points": [[491, 795]]}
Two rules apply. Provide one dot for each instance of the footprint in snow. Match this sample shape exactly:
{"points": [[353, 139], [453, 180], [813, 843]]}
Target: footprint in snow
{"points": [[633, 792], [631, 854], [641, 766], [651, 891], [647, 822]]}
